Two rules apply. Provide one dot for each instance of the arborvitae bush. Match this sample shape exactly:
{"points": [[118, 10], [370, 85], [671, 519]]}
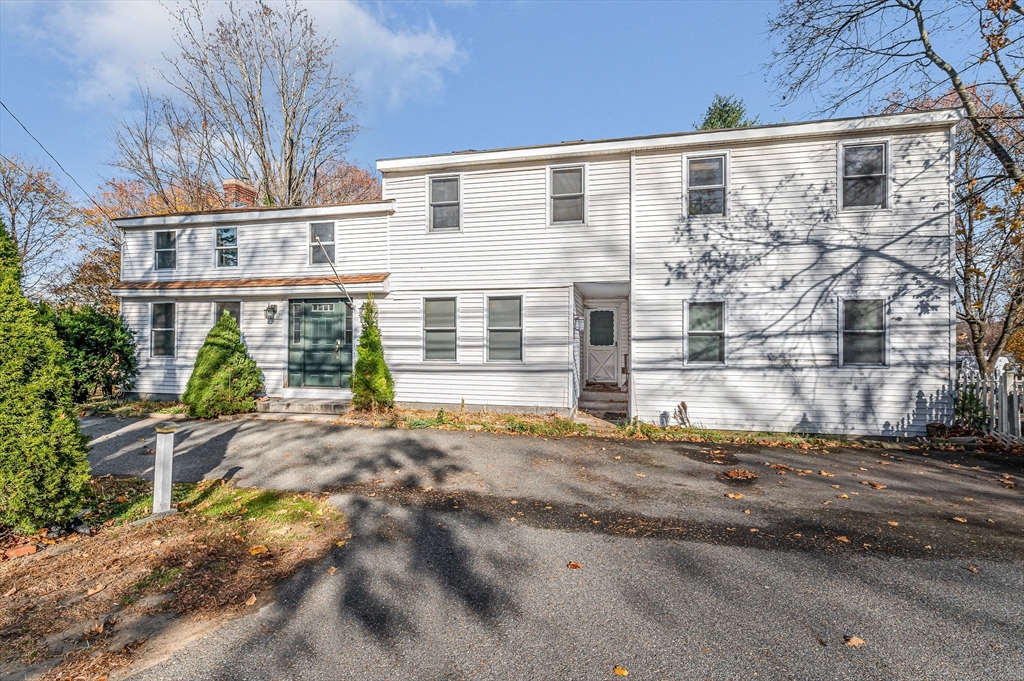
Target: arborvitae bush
{"points": [[225, 379], [372, 385], [43, 465]]}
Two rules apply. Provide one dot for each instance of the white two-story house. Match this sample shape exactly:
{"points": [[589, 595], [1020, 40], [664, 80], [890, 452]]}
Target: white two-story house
{"points": [[783, 277]]}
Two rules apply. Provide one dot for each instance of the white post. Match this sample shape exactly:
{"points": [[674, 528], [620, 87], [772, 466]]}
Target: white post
{"points": [[162, 470]]}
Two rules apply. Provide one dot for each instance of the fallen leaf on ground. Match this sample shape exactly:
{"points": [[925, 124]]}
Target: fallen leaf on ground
{"points": [[747, 511], [780, 467], [341, 543], [959, 519], [835, 486], [11, 592], [734, 495], [854, 641], [842, 496], [968, 499], [973, 569], [95, 590], [740, 474], [875, 485], [250, 600], [893, 523], [620, 671], [331, 570], [641, 475], [258, 549], [121, 500], [827, 474], [843, 539], [754, 529], [573, 565], [617, 458]]}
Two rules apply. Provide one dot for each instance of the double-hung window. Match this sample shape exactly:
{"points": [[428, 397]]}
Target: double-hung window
{"points": [[862, 332], [865, 180], [439, 329], [321, 243], [226, 247], [161, 334], [705, 333], [568, 199], [444, 204], [166, 252], [233, 308], [705, 185], [505, 329]]}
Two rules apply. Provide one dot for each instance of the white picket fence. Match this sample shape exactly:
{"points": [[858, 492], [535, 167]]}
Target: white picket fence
{"points": [[1002, 393]]}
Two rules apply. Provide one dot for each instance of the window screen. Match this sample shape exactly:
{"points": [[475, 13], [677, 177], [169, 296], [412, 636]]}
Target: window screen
{"points": [[864, 176], [505, 329], [705, 183], [864, 332], [444, 204], [227, 247], [166, 250], [439, 332], [566, 195], [162, 330], [322, 252], [705, 333], [232, 308]]}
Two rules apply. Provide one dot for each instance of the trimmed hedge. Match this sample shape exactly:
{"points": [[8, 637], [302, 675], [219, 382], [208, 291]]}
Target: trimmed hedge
{"points": [[225, 379], [43, 466], [372, 385]]}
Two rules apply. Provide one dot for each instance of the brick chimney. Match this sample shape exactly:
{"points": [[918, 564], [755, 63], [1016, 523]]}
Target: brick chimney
{"points": [[239, 193]]}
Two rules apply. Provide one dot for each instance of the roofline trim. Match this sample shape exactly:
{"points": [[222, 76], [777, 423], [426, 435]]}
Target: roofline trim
{"points": [[257, 215], [937, 118]]}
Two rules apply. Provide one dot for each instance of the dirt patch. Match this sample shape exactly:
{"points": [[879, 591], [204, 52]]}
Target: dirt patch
{"points": [[90, 603]]}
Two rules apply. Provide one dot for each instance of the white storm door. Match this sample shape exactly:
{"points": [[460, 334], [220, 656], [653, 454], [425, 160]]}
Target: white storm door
{"points": [[602, 346]]}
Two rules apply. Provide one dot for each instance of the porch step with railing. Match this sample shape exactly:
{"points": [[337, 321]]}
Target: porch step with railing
{"points": [[302, 405]]}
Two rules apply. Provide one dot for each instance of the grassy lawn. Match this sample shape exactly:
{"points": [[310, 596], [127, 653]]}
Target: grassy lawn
{"points": [[77, 595]]}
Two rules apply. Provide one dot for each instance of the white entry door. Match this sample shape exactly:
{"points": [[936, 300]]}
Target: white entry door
{"points": [[602, 346]]}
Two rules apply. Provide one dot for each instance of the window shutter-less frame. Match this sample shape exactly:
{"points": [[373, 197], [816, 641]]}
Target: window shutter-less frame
{"points": [[440, 332]]}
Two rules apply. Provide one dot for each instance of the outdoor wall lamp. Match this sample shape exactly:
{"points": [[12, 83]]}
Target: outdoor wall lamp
{"points": [[269, 312]]}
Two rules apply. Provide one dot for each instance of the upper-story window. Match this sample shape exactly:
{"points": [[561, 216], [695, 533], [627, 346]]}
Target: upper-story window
{"points": [[166, 253], [567, 195], [865, 180], [444, 204], [321, 243], [226, 247], [705, 185]]}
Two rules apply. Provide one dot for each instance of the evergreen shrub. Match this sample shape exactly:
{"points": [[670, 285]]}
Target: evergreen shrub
{"points": [[372, 385], [225, 379]]}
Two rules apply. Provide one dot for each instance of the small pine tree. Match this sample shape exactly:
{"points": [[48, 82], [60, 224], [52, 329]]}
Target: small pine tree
{"points": [[372, 385], [726, 112], [43, 465], [225, 379]]}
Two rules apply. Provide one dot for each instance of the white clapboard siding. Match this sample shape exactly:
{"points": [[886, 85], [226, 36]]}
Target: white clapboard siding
{"points": [[781, 259]]}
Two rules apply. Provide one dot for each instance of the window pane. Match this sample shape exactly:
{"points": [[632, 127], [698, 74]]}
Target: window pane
{"points": [[706, 202], [163, 343], [863, 348], [166, 260], [164, 240], [567, 181], [233, 309], [296, 323], [227, 237], [865, 160], [163, 315], [602, 327], [228, 257], [444, 190], [706, 171], [440, 345], [505, 345], [864, 191], [504, 313], [444, 217], [705, 316], [567, 209], [439, 313], [863, 315], [710, 348], [317, 254], [323, 231]]}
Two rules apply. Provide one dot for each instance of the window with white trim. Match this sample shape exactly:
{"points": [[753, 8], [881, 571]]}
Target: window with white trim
{"points": [[705, 185], [865, 180], [321, 243], [440, 333], [226, 246], [444, 204], [166, 250], [505, 329], [161, 330], [232, 307], [862, 329], [568, 197], [705, 333]]}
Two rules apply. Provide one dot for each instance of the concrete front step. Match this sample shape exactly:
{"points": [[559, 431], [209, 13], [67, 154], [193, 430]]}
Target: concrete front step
{"points": [[298, 405], [595, 406], [603, 396]]}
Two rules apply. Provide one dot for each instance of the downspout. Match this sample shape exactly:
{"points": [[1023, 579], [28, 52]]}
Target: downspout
{"points": [[631, 393]]}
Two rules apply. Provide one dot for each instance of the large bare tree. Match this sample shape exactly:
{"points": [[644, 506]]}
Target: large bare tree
{"points": [[253, 94], [965, 53]]}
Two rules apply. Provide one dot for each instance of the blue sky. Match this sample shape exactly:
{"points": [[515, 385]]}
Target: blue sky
{"points": [[434, 77]]}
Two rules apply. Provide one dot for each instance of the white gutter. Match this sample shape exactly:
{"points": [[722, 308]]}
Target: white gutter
{"points": [[250, 216]]}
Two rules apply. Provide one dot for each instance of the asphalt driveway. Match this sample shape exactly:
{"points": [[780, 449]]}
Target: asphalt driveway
{"points": [[458, 564]]}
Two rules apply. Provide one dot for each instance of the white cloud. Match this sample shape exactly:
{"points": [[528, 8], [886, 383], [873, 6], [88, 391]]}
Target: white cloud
{"points": [[113, 45]]}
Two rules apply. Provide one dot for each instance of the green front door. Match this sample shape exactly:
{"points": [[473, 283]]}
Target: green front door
{"points": [[319, 344]]}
